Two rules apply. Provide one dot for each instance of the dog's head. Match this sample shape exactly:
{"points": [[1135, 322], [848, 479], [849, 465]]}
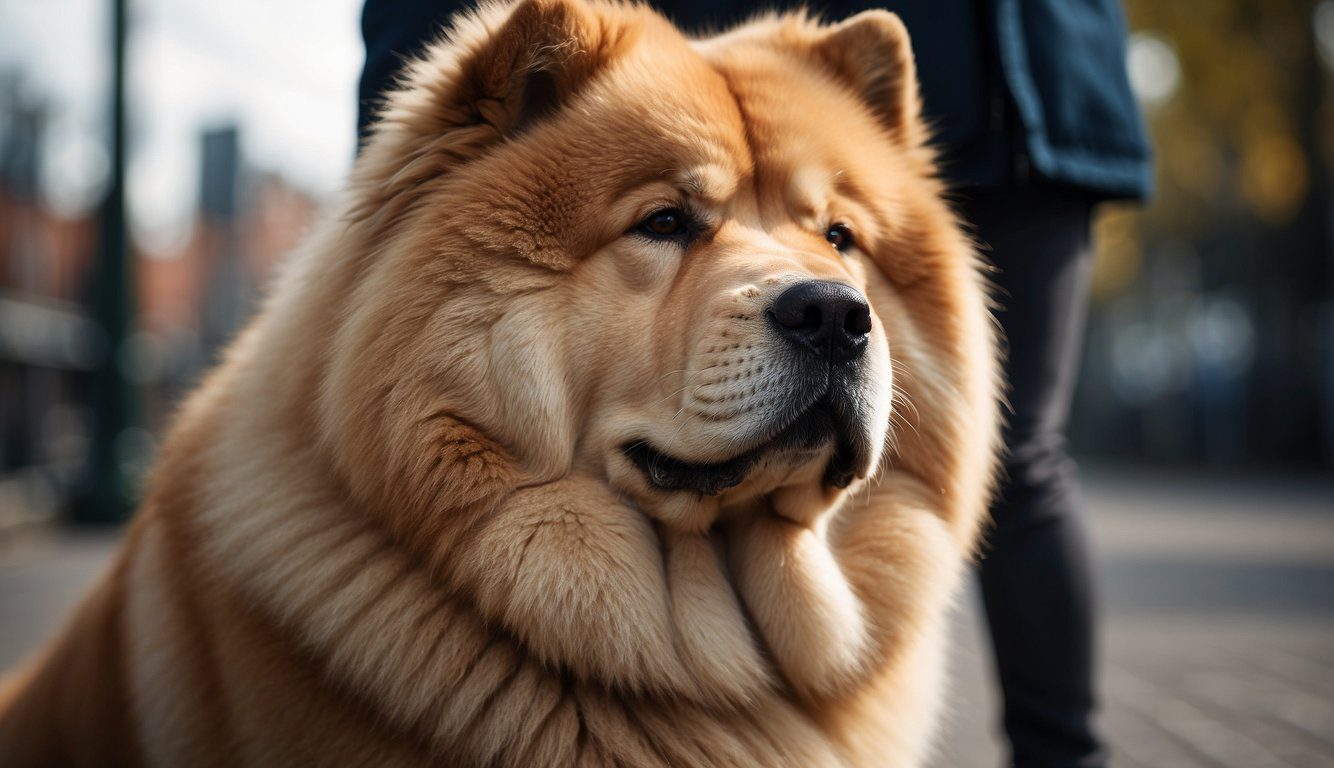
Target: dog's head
{"points": [[582, 244]]}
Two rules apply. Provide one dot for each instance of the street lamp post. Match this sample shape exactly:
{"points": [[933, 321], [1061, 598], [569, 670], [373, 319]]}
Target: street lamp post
{"points": [[108, 496]]}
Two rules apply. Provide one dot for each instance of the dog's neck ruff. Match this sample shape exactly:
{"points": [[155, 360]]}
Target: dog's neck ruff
{"points": [[511, 648]]}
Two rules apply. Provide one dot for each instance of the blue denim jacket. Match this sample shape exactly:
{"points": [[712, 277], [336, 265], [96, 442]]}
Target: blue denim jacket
{"points": [[1018, 91]]}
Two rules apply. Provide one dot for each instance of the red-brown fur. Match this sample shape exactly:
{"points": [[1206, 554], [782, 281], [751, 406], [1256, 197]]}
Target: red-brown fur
{"points": [[395, 526]]}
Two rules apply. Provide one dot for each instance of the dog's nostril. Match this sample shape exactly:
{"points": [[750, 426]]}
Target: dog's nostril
{"points": [[858, 321], [825, 318]]}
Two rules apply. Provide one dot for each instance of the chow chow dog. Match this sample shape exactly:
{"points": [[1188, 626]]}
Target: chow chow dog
{"points": [[637, 406]]}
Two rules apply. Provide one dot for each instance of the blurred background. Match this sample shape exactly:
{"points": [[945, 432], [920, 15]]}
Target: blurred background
{"points": [[1205, 414], [1212, 337], [239, 119]]}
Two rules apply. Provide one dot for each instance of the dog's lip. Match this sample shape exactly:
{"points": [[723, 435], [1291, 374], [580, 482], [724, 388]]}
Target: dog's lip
{"points": [[668, 473], [811, 429]]}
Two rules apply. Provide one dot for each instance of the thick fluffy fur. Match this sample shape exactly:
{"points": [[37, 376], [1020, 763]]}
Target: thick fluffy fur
{"points": [[398, 526]]}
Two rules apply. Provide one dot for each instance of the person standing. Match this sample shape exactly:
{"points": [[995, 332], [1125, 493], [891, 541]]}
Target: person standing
{"points": [[1036, 124]]}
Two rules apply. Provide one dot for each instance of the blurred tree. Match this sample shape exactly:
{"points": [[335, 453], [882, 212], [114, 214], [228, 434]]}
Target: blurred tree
{"points": [[1240, 113]]}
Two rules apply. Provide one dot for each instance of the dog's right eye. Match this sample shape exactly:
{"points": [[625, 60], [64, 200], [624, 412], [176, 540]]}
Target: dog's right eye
{"points": [[665, 224]]}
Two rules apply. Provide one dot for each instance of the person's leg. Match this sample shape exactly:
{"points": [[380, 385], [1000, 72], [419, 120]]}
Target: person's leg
{"points": [[1035, 573]]}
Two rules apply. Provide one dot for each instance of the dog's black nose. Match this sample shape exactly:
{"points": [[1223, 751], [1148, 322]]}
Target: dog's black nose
{"points": [[825, 318]]}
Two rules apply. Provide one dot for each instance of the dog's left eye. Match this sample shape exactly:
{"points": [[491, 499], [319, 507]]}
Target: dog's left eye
{"points": [[839, 236]]}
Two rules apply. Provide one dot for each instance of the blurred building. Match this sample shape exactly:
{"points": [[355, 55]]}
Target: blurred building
{"points": [[191, 298], [47, 342]]}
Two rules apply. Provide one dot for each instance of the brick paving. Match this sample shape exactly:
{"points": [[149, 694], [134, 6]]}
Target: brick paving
{"points": [[1218, 635]]}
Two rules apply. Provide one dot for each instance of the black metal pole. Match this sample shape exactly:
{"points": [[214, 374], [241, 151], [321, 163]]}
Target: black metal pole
{"points": [[108, 497]]}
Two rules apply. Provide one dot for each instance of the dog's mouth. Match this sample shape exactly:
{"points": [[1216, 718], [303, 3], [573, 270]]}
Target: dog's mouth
{"points": [[812, 429]]}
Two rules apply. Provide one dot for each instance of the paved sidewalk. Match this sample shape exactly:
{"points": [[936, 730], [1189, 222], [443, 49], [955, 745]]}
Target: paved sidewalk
{"points": [[1218, 634]]}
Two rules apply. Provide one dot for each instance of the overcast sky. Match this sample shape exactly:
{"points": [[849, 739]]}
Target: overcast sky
{"points": [[285, 70]]}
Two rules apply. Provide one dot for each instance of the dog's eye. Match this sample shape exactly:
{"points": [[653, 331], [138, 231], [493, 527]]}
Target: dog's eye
{"points": [[668, 222], [839, 236]]}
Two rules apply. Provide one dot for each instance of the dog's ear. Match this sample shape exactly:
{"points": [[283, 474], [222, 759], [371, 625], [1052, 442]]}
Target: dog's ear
{"points": [[542, 53], [499, 70], [872, 53]]}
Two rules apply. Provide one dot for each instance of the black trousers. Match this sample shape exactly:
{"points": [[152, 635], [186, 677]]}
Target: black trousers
{"points": [[1036, 576]]}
